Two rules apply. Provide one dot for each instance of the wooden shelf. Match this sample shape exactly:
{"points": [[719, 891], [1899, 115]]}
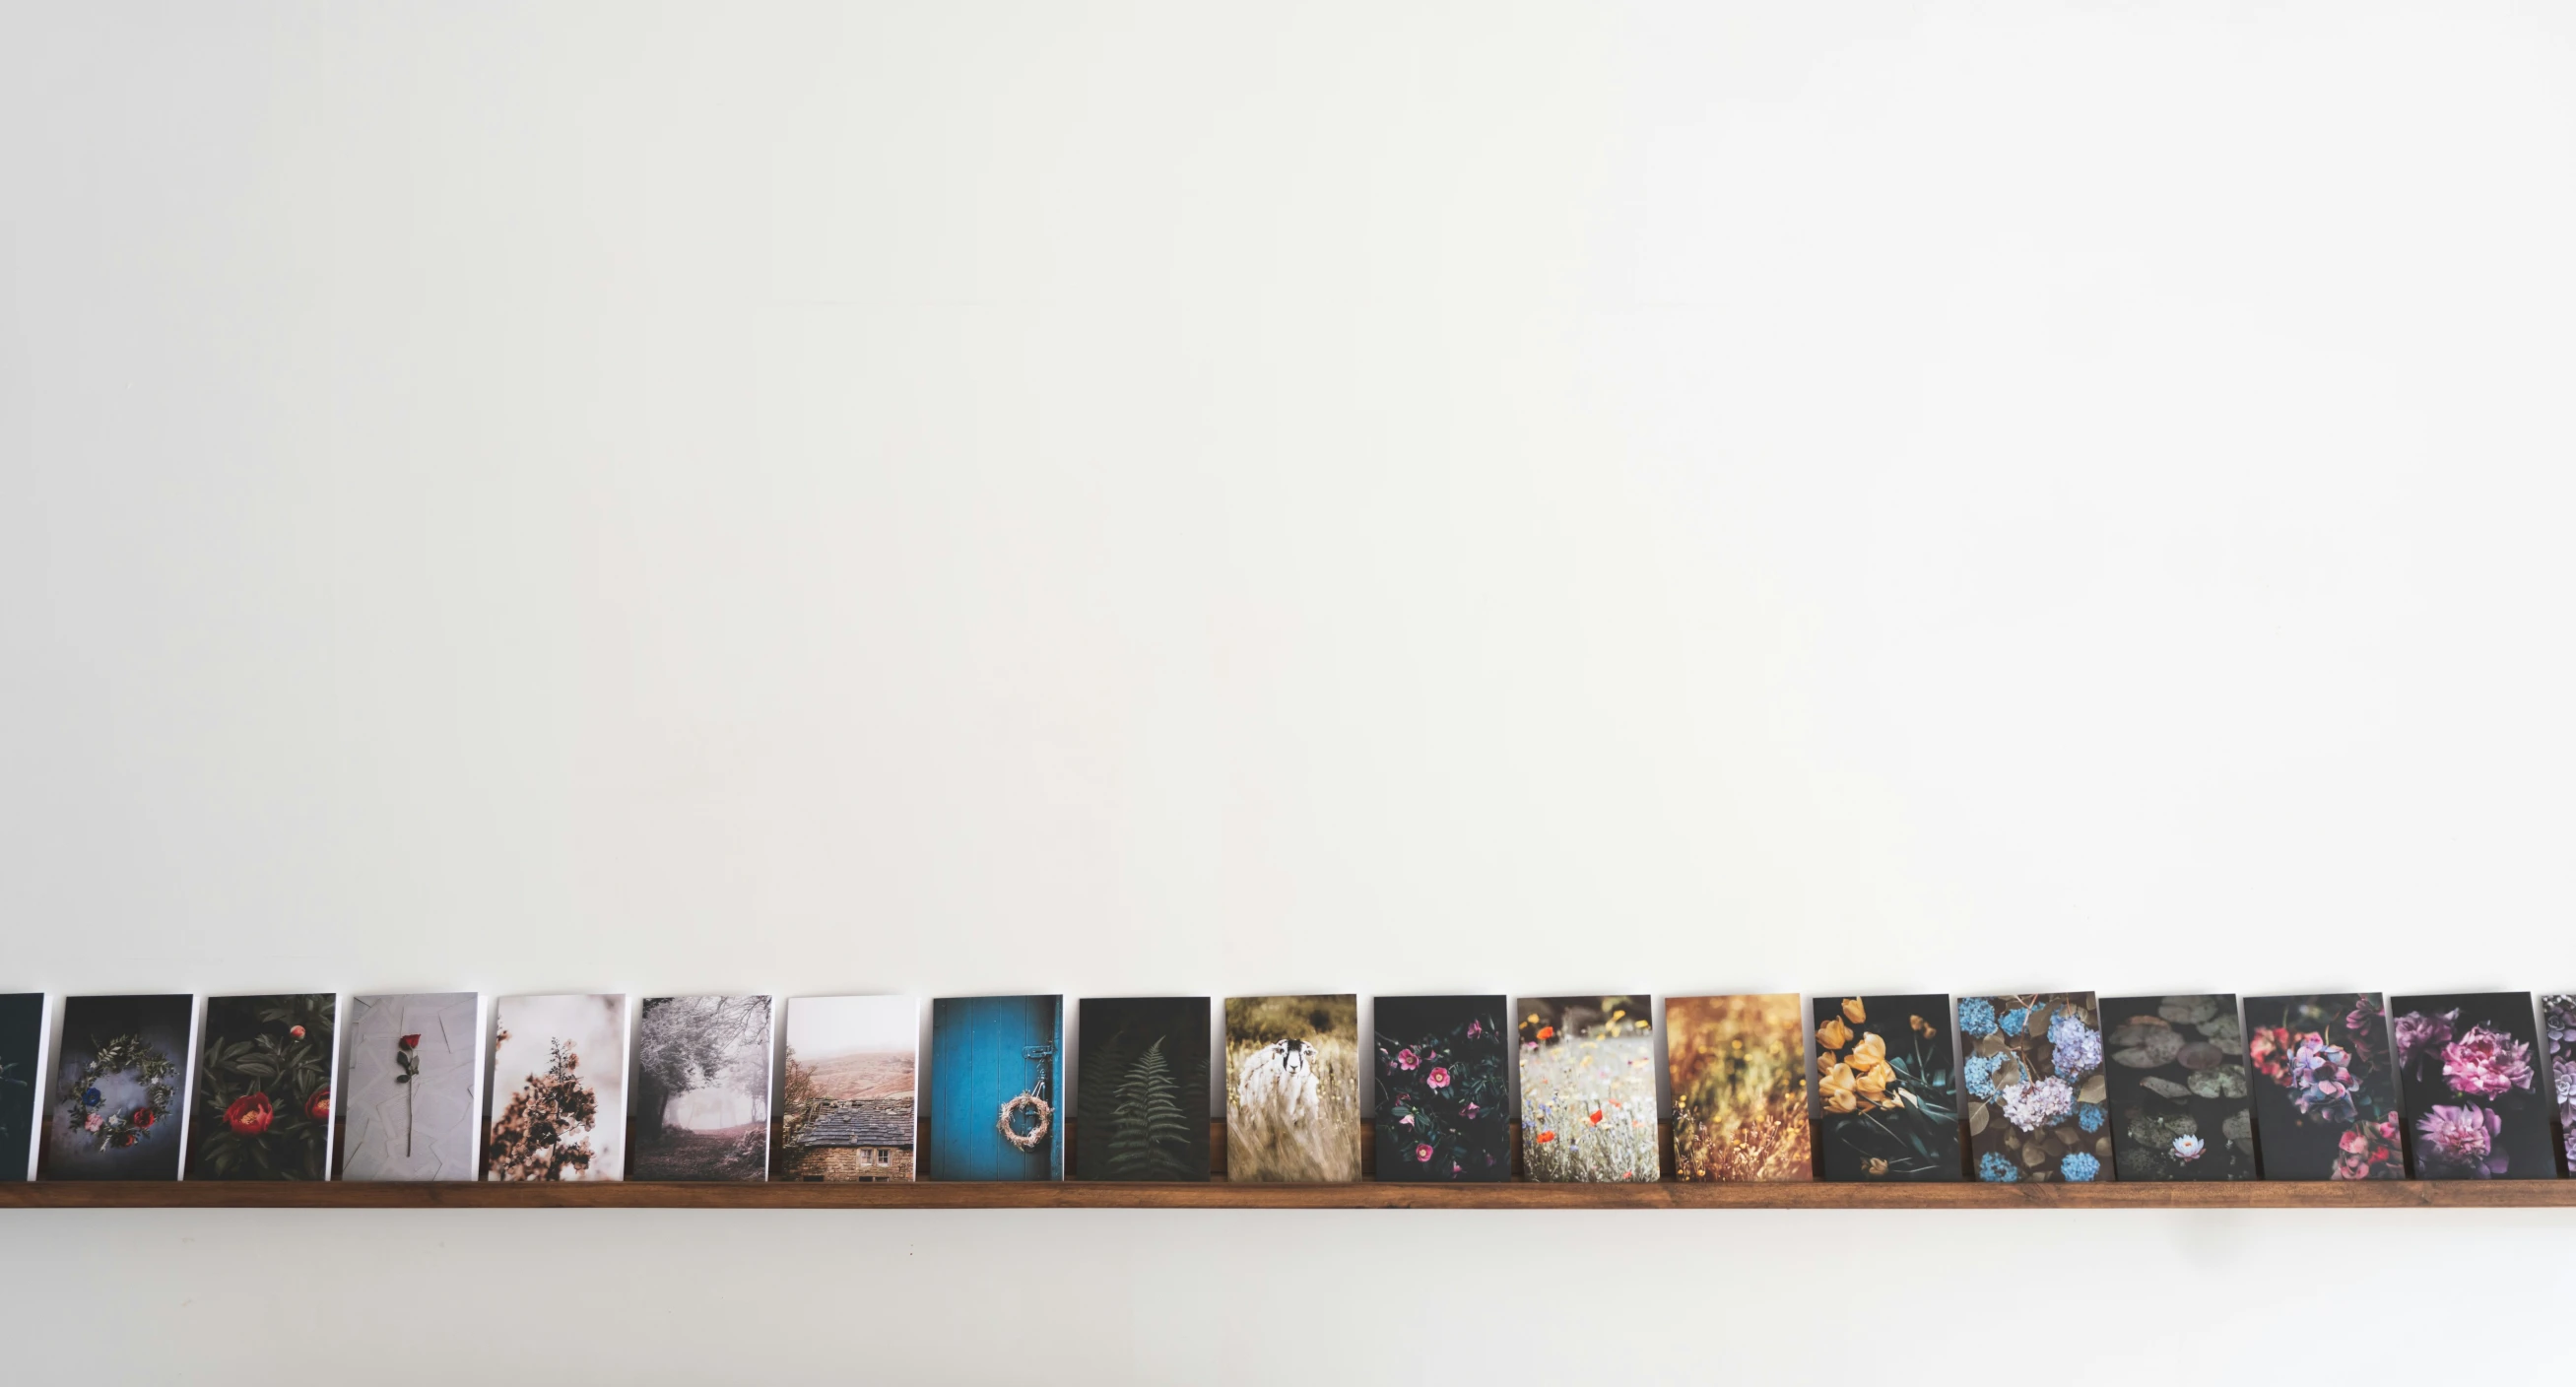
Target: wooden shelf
{"points": [[1078, 1194], [1220, 1193]]}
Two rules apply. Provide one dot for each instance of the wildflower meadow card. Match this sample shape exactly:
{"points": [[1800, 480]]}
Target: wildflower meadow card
{"points": [[847, 1114], [22, 1028], [2325, 1093], [1891, 1105], [2181, 1099], [2477, 1105], [407, 1076], [2558, 1028], [558, 1099], [2038, 1104], [263, 1097], [1444, 1088], [1739, 1070], [701, 1089], [1002, 1059], [1588, 1089], [120, 1083], [1144, 1077], [1292, 1088]]}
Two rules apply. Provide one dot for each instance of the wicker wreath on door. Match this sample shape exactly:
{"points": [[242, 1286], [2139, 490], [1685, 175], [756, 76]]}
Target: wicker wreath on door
{"points": [[1025, 1103]]}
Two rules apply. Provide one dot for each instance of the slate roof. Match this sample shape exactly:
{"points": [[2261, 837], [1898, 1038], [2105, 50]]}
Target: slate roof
{"points": [[860, 1122]]}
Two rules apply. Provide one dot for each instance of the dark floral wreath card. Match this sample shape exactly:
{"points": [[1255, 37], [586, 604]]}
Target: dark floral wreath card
{"points": [[1143, 1089], [2325, 1092], [1444, 1096], [2558, 1028], [22, 1024], [1891, 1103], [263, 1104], [1739, 1069], [2037, 1102], [2182, 1105], [2478, 1106], [1588, 1089], [119, 1087]]}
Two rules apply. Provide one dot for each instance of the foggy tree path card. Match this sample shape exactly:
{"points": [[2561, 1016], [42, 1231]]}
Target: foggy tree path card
{"points": [[1891, 1105], [997, 1088], [1292, 1088], [121, 1076], [558, 1100], [1144, 1081], [1739, 1071], [406, 1100], [263, 1095], [2036, 1094], [2477, 1104], [1443, 1069], [1588, 1089], [2182, 1100], [2325, 1094], [701, 1108], [847, 1106]]}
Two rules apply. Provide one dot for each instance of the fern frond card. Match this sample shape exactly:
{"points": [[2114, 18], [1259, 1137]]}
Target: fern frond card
{"points": [[2477, 1098], [1739, 1070], [1444, 1088], [701, 1089], [1891, 1100], [846, 1107], [1143, 1073], [1588, 1089], [1292, 1088], [2182, 1105], [558, 1100], [997, 1085], [263, 1104], [22, 1029], [408, 1064], [119, 1087]]}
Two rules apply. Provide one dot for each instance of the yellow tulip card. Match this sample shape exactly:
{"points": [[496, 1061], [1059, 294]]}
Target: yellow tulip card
{"points": [[1891, 1105]]}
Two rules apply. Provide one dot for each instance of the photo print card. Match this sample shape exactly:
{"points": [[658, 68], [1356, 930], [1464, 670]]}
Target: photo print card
{"points": [[1444, 1088], [2477, 1101], [997, 1087], [1739, 1070], [263, 1095], [2325, 1090], [1144, 1080], [701, 1109], [2037, 1101], [1588, 1089], [558, 1099], [120, 1082], [22, 1032], [2558, 1029], [407, 1075], [1292, 1088], [1891, 1105], [2182, 1104], [847, 1104]]}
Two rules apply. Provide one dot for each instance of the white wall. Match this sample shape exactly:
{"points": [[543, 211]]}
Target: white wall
{"points": [[1127, 498]]}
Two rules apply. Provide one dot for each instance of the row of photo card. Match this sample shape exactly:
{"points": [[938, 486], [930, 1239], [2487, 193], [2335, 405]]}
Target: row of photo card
{"points": [[2034, 1087]]}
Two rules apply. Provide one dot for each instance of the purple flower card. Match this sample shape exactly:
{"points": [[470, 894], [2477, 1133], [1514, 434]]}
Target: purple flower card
{"points": [[2478, 1105], [2325, 1093], [2037, 1100], [2558, 1028]]}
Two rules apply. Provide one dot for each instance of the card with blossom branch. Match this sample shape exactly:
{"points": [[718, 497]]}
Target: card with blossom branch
{"points": [[2477, 1105]]}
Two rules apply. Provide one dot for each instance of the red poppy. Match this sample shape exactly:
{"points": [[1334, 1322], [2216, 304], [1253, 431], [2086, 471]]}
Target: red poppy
{"points": [[1547, 1032], [318, 1107], [250, 1114], [411, 1042], [1596, 1117], [1547, 1136], [145, 1117]]}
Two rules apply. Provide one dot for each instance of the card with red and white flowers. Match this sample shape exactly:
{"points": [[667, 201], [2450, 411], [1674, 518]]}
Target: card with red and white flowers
{"points": [[263, 1104]]}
